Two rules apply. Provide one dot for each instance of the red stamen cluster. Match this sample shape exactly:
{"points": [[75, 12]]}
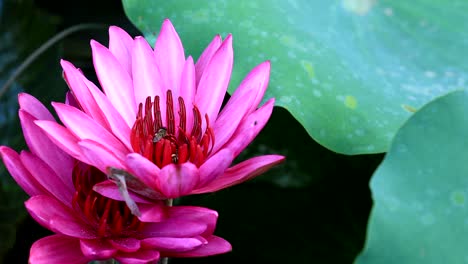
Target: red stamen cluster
{"points": [[109, 217], [164, 145]]}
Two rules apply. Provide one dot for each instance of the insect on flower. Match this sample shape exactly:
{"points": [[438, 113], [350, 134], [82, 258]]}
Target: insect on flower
{"points": [[162, 132], [125, 181]]}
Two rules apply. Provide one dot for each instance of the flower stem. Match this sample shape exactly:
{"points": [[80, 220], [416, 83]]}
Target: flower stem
{"points": [[166, 259], [169, 202], [109, 261]]}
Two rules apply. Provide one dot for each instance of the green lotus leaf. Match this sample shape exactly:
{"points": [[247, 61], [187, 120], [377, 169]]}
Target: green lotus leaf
{"points": [[420, 190], [351, 71]]}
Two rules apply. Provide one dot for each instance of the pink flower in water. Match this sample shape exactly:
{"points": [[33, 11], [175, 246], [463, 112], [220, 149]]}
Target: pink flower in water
{"points": [[89, 226], [159, 116]]}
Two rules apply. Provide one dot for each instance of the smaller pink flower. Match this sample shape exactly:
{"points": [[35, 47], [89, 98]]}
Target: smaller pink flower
{"points": [[89, 226], [159, 117]]}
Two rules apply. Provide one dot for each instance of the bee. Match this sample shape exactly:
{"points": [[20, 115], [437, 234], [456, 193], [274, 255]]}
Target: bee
{"points": [[162, 132]]}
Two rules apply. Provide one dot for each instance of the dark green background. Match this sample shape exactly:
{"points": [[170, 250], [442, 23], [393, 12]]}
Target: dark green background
{"points": [[311, 209]]}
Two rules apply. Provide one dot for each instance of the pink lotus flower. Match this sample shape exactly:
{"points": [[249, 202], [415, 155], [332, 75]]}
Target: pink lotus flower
{"points": [[89, 226], [159, 116]]}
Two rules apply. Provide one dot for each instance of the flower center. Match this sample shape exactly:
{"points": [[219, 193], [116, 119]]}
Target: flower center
{"points": [[109, 217], [164, 144]]}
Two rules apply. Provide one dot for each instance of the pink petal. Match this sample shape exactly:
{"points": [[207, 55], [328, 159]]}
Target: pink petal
{"points": [[57, 217], [215, 79], [70, 100], [121, 45], [228, 122], [173, 228], [215, 166], [128, 244], [146, 76], [143, 256], [58, 185], [40, 145], [177, 180], [57, 249], [20, 174], [62, 138], [244, 101], [97, 248], [172, 244], [86, 128], [109, 189], [99, 155], [187, 91], [261, 77], [265, 73], [249, 128], [214, 246], [154, 212], [206, 56], [170, 57], [143, 169], [197, 215], [30, 104], [115, 81], [242, 172], [114, 119], [74, 78]]}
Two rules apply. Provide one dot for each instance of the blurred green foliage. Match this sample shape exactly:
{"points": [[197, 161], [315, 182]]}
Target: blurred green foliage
{"points": [[22, 29]]}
